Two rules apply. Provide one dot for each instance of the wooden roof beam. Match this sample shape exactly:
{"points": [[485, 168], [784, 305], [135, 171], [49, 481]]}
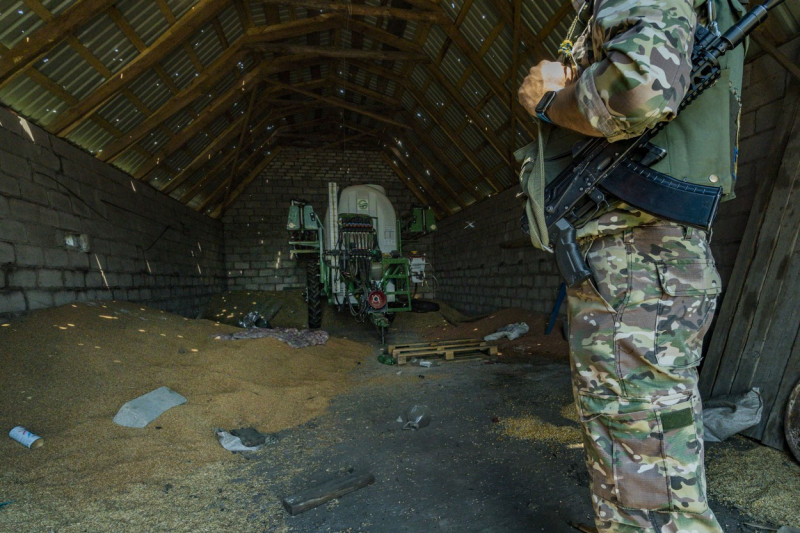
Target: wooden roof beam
{"points": [[488, 76], [340, 103], [340, 53], [431, 167], [424, 200], [419, 179], [219, 210], [28, 51], [436, 16], [191, 22]]}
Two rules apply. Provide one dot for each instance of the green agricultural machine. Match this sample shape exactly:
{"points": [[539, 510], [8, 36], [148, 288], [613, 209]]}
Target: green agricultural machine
{"points": [[353, 256]]}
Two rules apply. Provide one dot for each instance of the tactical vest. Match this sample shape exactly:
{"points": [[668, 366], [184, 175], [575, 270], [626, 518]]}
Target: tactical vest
{"points": [[697, 151]]}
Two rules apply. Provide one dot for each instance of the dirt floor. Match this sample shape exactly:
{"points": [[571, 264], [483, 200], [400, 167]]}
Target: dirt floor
{"points": [[501, 452]]}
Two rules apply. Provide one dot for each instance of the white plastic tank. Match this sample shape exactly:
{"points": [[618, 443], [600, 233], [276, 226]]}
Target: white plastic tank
{"points": [[371, 200]]}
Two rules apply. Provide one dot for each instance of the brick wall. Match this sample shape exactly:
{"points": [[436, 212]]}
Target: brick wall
{"points": [[256, 240], [477, 274], [142, 245]]}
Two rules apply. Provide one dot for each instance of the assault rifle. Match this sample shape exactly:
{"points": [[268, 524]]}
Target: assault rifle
{"points": [[621, 169]]}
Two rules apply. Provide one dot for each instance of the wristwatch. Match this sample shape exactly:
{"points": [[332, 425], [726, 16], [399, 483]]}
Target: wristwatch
{"points": [[544, 105]]}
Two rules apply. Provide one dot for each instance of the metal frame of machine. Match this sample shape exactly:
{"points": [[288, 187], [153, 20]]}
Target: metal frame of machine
{"points": [[354, 258]]}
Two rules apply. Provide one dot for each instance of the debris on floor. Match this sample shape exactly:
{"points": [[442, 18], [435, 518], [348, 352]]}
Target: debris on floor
{"points": [[510, 331], [25, 437], [296, 338], [727, 415], [241, 440], [324, 492], [140, 411]]}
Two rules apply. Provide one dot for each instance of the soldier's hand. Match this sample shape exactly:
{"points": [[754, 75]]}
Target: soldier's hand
{"points": [[546, 76]]}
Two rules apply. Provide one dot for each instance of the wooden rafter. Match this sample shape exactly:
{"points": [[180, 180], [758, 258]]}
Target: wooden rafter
{"points": [[418, 179], [406, 180], [340, 53], [365, 10], [419, 155], [201, 14], [48, 36], [340, 103]]}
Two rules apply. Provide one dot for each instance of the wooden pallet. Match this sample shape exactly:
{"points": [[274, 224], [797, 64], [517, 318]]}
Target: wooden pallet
{"points": [[458, 349]]}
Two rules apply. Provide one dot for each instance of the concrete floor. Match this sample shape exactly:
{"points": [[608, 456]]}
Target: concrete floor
{"points": [[457, 474]]}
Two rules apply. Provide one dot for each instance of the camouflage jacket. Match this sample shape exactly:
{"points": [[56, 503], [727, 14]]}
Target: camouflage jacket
{"points": [[634, 59]]}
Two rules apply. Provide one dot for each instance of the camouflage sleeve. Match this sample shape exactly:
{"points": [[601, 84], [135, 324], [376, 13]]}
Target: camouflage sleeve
{"points": [[642, 53]]}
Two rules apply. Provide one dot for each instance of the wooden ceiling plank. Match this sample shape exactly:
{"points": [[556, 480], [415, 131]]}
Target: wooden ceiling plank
{"points": [[208, 177], [488, 76], [220, 31], [197, 17], [444, 159], [88, 56], [48, 36], [126, 28], [455, 139], [508, 15], [245, 17], [513, 98], [294, 28], [373, 95], [166, 11], [37, 7], [220, 106], [382, 36], [210, 113]]}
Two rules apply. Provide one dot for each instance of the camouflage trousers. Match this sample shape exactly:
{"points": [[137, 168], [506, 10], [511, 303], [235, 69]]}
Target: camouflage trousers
{"points": [[636, 332]]}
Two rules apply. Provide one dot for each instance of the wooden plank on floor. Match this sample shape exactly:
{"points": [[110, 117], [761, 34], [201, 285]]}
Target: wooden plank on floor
{"points": [[319, 494]]}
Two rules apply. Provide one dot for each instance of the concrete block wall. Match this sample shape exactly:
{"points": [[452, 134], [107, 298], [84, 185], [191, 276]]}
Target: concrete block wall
{"points": [[256, 240], [484, 262], [142, 245], [477, 274]]}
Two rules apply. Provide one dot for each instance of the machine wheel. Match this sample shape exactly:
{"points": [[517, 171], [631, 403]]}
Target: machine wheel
{"points": [[314, 295]]}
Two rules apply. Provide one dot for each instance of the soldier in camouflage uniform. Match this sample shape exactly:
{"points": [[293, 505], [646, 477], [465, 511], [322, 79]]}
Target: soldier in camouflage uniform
{"points": [[636, 328]]}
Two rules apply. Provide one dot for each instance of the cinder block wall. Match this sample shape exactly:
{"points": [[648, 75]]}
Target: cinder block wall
{"points": [[142, 246], [256, 240], [477, 274], [484, 262]]}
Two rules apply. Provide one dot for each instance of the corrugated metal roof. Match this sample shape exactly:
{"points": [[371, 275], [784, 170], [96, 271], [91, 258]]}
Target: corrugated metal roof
{"points": [[102, 80]]}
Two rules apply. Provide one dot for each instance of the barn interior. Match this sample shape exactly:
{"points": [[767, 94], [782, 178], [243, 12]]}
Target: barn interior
{"points": [[153, 158]]}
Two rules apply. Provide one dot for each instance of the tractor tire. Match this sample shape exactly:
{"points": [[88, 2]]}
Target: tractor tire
{"points": [[314, 295]]}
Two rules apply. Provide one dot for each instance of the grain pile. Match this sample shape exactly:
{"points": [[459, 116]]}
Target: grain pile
{"points": [[65, 373], [762, 481]]}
